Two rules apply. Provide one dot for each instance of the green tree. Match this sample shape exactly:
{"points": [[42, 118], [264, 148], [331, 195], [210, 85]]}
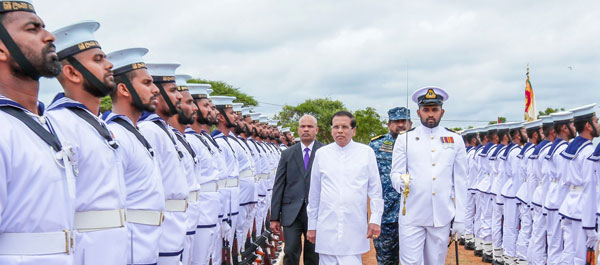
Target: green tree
{"points": [[549, 110], [320, 108], [369, 124], [105, 104], [223, 89], [500, 119]]}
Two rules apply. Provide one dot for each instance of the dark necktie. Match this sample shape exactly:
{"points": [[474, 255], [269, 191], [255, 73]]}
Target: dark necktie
{"points": [[306, 157]]}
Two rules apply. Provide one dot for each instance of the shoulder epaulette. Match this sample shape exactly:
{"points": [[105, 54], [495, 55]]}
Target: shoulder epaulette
{"points": [[449, 130], [377, 137]]}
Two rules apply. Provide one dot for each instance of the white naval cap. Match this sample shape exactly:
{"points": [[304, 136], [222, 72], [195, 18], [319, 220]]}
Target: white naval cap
{"points": [[430, 95], [285, 129], [255, 116], [562, 117], [533, 125], [76, 38], [18, 5], [501, 126], [181, 81], [584, 112], [127, 60], [514, 125], [481, 129], [546, 120], [223, 102], [263, 119], [273, 122], [237, 107], [209, 90], [162, 72], [245, 111], [198, 91]]}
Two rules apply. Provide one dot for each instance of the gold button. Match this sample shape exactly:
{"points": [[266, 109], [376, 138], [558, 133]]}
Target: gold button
{"points": [[433, 178], [432, 150], [432, 137], [433, 193], [433, 164]]}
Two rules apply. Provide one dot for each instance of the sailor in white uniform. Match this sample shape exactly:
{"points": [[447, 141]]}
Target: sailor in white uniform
{"points": [[508, 191], [208, 176], [591, 211], [37, 184], [145, 199], [186, 116], [536, 251], [523, 186], [170, 156], [574, 180], [86, 77], [497, 180], [230, 186], [435, 160], [563, 125], [473, 146], [480, 156], [262, 171]]}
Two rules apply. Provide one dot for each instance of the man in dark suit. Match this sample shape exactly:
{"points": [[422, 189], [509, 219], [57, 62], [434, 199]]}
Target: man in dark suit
{"points": [[290, 194]]}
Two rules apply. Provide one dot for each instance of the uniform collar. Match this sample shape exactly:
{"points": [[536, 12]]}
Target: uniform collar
{"points": [[151, 116], [507, 150], [217, 133], [558, 142], [428, 130], [109, 116], [61, 101], [497, 151], [189, 130], [4, 101], [347, 147], [575, 147], [486, 149], [525, 148], [538, 149], [596, 155]]}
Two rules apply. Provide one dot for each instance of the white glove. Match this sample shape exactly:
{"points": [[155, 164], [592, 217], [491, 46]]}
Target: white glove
{"points": [[592, 238], [399, 184], [225, 228], [458, 228]]}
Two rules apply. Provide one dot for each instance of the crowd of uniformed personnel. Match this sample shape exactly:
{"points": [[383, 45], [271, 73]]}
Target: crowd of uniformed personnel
{"points": [[532, 189], [149, 182]]}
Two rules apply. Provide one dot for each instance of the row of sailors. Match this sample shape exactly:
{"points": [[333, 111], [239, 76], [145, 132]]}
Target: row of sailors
{"points": [[146, 183], [533, 192]]}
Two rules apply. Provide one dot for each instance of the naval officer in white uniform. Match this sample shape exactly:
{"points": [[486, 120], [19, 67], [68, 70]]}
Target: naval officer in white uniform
{"points": [[343, 174], [435, 159], [37, 186], [101, 233]]}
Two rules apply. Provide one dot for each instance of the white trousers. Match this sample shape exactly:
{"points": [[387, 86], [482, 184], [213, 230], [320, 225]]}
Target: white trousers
{"points": [[536, 252], [207, 230], [107, 246], [574, 248], [423, 245], [193, 212], [525, 231], [340, 260], [470, 213], [497, 212], [555, 240], [511, 227], [55, 259], [486, 201]]}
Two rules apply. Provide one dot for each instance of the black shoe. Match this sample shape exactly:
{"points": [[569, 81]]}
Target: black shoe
{"points": [[495, 262], [479, 253], [487, 258], [461, 241], [470, 246]]}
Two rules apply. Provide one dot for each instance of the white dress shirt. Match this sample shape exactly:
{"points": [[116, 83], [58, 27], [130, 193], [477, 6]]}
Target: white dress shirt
{"points": [[341, 180]]}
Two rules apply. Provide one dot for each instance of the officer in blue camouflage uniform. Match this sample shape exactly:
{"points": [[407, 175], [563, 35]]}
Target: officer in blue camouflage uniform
{"points": [[386, 245]]}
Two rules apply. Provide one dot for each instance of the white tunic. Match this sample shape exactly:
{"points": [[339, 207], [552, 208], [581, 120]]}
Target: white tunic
{"points": [[341, 180], [512, 178], [552, 174], [34, 197], [591, 167], [437, 165], [536, 195], [576, 154], [100, 183], [144, 189]]}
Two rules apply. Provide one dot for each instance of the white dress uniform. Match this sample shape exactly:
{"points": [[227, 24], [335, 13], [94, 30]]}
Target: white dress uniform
{"points": [[591, 210], [101, 232], [536, 251], [262, 172], [341, 180], [471, 193], [145, 199], [437, 166], [482, 221], [37, 191], [524, 208], [100, 227], [169, 156], [555, 193], [498, 202], [573, 177], [231, 187]]}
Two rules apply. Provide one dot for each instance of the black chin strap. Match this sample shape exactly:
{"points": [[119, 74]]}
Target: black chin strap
{"points": [[136, 98], [96, 83], [163, 93], [229, 124], [16, 54]]}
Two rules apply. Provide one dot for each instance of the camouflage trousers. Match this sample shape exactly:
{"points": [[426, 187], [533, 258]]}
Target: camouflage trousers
{"points": [[387, 246]]}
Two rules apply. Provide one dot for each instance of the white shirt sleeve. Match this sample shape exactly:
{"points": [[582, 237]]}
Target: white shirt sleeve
{"points": [[460, 186], [375, 190], [398, 163], [314, 194]]}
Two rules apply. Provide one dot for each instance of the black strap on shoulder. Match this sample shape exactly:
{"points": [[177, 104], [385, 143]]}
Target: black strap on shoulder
{"points": [[162, 126], [100, 128], [247, 145], [18, 55], [237, 141], [256, 145], [204, 142], [230, 147], [135, 132], [165, 96], [187, 146], [37, 128], [89, 76], [211, 139]]}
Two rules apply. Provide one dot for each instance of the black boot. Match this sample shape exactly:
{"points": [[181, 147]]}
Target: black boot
{"points": [[487, 258], [479, 253], [461, 241], [470, 246]]}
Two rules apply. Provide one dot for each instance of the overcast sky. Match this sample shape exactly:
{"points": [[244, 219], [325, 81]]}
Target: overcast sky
{"points": [[284, 52]]}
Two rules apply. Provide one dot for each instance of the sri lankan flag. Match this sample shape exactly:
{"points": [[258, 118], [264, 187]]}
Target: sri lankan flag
{"points": [[530, 113]]}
